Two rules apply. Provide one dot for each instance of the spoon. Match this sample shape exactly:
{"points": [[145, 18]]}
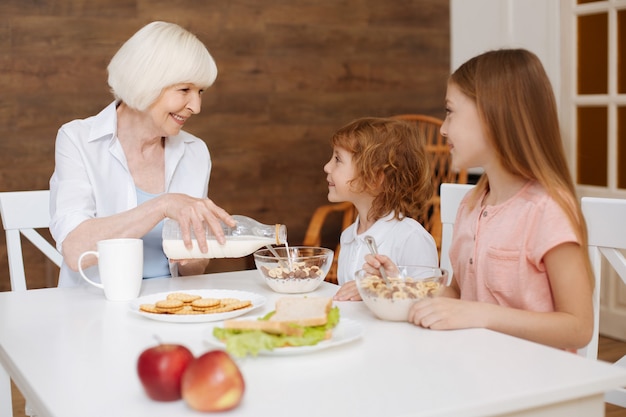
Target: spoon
{"points": [[280, 261], [371, 244]]}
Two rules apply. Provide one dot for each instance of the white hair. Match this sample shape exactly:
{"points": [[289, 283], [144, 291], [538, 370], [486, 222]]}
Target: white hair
{"points": [[158, 56]]}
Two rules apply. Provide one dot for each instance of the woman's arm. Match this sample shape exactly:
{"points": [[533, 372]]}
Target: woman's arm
{"points": [[570, 326], [192, 266], [188, 211]]}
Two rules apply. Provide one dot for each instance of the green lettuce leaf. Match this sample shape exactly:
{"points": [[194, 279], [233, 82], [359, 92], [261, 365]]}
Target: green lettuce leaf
{"points": [[240, 343]]}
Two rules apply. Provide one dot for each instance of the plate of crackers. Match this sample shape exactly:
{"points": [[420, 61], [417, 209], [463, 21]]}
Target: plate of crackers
{"points": [[196, 306]]}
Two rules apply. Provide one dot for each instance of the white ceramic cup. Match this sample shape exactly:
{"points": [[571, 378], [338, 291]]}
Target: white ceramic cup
{"points": [[120, 263]]}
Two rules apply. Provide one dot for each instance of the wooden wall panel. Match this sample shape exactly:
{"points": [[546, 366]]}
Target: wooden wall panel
{"points": [[291, 72]]}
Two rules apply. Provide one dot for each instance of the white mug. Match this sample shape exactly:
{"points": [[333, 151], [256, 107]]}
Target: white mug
{"points": [[120, 263]]}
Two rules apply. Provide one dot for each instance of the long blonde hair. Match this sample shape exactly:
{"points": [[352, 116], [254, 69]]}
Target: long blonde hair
{"points": [[516, 103]]}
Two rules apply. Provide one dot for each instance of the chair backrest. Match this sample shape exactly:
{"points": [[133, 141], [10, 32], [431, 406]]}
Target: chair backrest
{"points": [[451, 196], [313, 235], [606, 239], [23, 212], [441, 169]]}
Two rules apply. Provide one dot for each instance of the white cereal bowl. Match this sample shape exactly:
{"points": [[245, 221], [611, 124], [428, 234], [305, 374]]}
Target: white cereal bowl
{"points": [[408, 285], [299, 270]]}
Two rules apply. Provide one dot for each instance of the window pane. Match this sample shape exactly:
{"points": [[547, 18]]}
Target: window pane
{"points": [[621, 51], [621, 147], [593, 54], [592, 146]]}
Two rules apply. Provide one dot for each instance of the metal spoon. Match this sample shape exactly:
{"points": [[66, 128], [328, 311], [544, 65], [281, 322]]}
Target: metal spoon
{"points": [[280, 261], [371, 244]]}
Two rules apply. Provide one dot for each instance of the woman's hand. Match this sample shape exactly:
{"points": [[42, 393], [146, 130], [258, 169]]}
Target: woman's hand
{"points": [[192, 213]]}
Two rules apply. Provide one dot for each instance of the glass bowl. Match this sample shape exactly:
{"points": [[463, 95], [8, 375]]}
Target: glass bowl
{"points": [[303, 270], [408, 285]]}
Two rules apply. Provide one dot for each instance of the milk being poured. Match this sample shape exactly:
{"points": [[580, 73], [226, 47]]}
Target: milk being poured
{"points": [[235, 247], [243, 239]]}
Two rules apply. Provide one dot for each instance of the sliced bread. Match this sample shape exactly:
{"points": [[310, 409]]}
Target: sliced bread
{"points": [[303, 311], [291, 314], [273, 327]]}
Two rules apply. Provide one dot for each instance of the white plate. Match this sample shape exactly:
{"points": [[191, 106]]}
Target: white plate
{"points": [[257, 301], [346, 331]]}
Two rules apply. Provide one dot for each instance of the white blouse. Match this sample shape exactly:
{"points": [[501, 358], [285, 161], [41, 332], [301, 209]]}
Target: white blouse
{"points": [[91, 177]]}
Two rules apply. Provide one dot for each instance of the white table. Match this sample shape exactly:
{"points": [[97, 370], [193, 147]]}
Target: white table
{"points": [[74, 354]]}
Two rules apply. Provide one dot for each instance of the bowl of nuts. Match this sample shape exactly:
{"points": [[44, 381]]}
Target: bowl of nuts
{"points": [[294, 270], [408, 284]]}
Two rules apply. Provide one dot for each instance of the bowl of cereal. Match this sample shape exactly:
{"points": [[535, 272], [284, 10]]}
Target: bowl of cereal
{"points": [[406, 286], [294, 270]]}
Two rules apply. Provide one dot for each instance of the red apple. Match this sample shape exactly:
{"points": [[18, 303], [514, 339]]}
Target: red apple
{"points": [[160, 369], [213, 382]]}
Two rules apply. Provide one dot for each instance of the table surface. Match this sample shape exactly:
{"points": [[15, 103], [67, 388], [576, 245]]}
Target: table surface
{"points": [[74, 354]]}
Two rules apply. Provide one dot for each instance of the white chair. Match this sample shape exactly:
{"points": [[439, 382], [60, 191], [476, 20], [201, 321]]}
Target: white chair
{"points": [[599, 224], [451, 196], [23, 212], [607, 238]]}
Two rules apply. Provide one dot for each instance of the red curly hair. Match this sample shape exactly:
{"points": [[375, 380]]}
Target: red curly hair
{"points": [[393, 150]]}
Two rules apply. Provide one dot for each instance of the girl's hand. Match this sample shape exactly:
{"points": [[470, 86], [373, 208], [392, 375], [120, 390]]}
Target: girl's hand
{"points": [[374, 262], [443, 313], [192, 213], [348, 292]]}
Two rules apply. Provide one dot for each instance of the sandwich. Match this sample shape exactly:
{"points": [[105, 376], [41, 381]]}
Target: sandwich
{"points": [[296, 321]]}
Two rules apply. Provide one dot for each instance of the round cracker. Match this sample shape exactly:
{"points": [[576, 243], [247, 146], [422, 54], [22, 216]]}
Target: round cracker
{"points": [[205, 302], [230, 307], [184, 297], [169, 306], [148, 308]]}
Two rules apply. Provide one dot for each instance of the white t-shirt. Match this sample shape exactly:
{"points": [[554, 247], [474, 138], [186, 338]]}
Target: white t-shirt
{"points": [[405, 242], [91, 177]]}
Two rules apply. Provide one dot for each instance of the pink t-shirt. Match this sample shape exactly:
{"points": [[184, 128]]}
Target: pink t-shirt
{"points": [[497, 251]]}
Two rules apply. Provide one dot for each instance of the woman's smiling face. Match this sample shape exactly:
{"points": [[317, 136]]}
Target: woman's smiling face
{"points": [[174, 106]]}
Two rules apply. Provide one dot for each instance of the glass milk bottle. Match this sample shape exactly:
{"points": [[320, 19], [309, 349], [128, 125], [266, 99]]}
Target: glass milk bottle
{"points": [[243, 239]]}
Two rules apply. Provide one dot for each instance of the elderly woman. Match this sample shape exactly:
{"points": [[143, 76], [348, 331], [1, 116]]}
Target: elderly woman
{"points": [[121, 172]]}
